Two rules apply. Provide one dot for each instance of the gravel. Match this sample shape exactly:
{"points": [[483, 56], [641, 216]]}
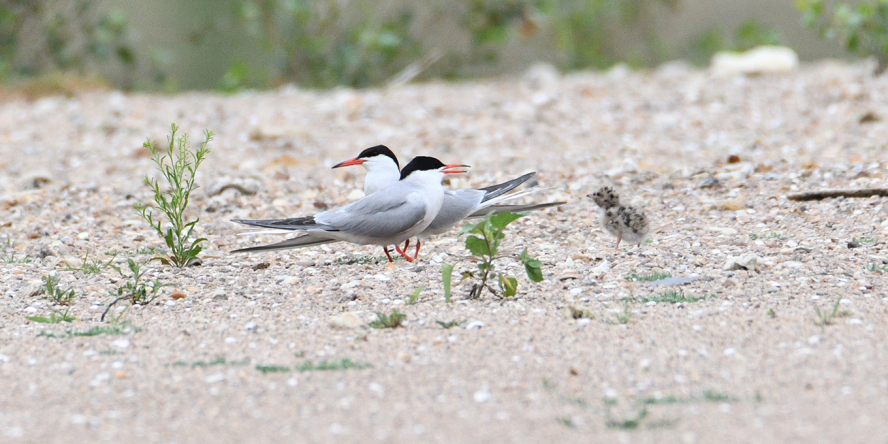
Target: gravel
{"points": [[747, 363]]}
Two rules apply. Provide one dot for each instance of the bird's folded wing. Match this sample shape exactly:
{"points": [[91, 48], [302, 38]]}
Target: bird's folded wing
{"points": [[503, 188], [297, 223], [380, 217]]}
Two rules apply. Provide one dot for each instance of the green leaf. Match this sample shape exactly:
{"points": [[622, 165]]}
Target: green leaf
{"points": [[502, 220], [532, 266], [477, 246], [508, 285], [415, 295], [446, 273]]}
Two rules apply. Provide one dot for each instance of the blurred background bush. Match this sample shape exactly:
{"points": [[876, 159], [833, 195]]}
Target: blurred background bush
{"points": [[171, 45]]}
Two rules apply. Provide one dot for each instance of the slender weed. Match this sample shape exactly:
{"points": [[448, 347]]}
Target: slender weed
{"points": [[343, 364], [449, 325], [394, 320], [650, 277], [178, 165], [92, 266], [674, 297]]}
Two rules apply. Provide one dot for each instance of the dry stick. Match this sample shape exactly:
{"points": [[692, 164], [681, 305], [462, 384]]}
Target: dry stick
{"points": [[826, 194]]}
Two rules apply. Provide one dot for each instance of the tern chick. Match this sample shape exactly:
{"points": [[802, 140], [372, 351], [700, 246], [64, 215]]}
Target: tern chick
{"points": [[623, 221]]}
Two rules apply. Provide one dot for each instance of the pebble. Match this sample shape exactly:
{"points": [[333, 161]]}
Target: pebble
{"points": [[345, 320], [747, 261], [122, 343], [214, 378], [475, 324]]}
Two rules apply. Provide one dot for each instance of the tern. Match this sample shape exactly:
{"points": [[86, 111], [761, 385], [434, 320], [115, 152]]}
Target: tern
{"points": [[402, 210], [382, 170], [622, 221]]}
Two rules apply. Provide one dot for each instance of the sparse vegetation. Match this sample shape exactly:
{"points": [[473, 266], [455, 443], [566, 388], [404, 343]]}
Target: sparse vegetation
{"points": [[450, 324], [877, 268], [415, 295], [674, 297], [343, 364], [625, 317], [91, 266], [135, 289], [446, 276], [220, 360], [10, 258], [394, 320], [178, 166], [366, 260], [55, 294], [273, 368], [566, 421], [112, 330], [484, 243], [862, 27], [628, 423], [650, 277], [825, 317]]}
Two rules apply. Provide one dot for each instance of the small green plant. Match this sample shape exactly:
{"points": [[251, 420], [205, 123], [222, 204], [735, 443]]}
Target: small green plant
{"points": [[771, 313], [394, 320], [566, 421], [54, 318], [135, 289], [273, 368], [625, 317], [92, 266], [179, 167], [116, 328], [449, 325], [825, 317], [628, 423], [861, 27], [57, 295], [9, 258], [864, 240], [343, 364], [674, 297], [877, 268], [415, 295], [650, 277], [484, 243], [446, 275]]}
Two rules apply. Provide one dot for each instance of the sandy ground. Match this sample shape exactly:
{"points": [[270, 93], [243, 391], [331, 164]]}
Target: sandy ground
{"points": [[746, 364]]}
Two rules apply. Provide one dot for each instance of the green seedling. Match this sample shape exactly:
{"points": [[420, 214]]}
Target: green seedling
{"points": [[625, 317], [92, 266], [446, 274], [877, 268], [566, 421], [344, 364], [10, 258], [178, 165], [415, 295], [629, 423], [449, 325], [136, 291], [674, 297], [647, 277], [825, 318], [57, 296], [484, 242], [273, 368], [394, 320]]}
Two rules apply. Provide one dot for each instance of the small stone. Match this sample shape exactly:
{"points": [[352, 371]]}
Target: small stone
{"points": [[710, 182], [219, 295], [747, 261], [178, 295], [733, 158], [214, 378], [853, 244], [482, 395], [121, 374], [475, 324], [121, 343], [345, 320]]}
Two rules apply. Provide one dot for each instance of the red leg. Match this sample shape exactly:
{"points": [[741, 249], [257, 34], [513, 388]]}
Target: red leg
{"points": [[401, 252], [386, 249], [416, 253], [406, 244], [618, 243]]}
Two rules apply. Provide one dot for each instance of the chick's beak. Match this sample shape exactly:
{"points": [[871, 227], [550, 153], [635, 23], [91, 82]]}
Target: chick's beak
{"points": [[455, 168], [349, 162]]}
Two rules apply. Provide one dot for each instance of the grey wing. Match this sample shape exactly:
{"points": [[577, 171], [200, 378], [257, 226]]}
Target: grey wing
{"points": [[306, 240], [496, 209], [457, 206], [299, 223], [503, 188], [380, 215]]}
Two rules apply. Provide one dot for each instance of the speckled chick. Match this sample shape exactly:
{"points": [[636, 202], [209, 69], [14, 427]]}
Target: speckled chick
{"points": [[623, 221]]}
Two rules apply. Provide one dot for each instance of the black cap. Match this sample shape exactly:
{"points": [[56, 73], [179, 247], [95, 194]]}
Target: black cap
{"points": [[378, 150], [421, 163]]}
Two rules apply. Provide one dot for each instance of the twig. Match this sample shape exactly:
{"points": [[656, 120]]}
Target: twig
{"points": [[102, 319], [826, 194]]}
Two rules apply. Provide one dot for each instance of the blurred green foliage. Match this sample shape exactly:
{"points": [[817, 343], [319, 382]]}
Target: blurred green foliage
{"points": [[747, 36], [862, 28], [42, 37]]}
